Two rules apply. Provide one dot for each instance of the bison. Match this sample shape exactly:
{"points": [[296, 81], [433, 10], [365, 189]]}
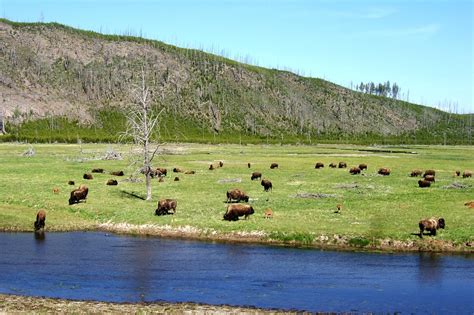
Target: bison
{"points": [[190, 172], [221, 164], [234, 211], [40, 219], [429, 172], [71, 182], [56, 190], [87, 176], [176, 179], [112, 182], [416, 173], [256, 175], [274, 165], [333, 165], [166, 206], [319, 165], [211, 167], [363, 166], [354, 170], [97, 170], [423, 183], [78, 194], [431, 225], [342, 165], [177, 170], [117, 173], [237, 194], [384, 171], [429, 178], [466, 174], [267, 185], [160, 171], [249, 165], [469, 204], [268, 214], [457, 173]]}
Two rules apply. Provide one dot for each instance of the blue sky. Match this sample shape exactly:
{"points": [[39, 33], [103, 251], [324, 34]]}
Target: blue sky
{"points": [[424, 46]]}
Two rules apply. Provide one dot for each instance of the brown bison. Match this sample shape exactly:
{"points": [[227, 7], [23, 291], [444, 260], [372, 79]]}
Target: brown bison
{"points": [[384, 171], [249, 165], [423, 183], [71, 182], [237, 194], [221, 164], [97, 170], [78, 194], [429, 172], [274, 165], [190, 172], [177, 170], [268, 214], [319, 165], [342, 165], [234, 211], [457, 173], [160, 171], [333, 165], [112, 182], [429, 178], [363, 166], [117, 173], [416, 173], [466, 174], [469, 204], [354, 170], [256, 175], [166, 206], [431, 225], [87, 176], [40, 219], [211, 167], [176, 179], [267, 185]]}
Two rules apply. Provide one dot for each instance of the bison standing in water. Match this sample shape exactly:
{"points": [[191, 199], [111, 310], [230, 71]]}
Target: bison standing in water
{"points": [[237, 194], [431, 225], [166, 206], [235, 211], [40, 220]]}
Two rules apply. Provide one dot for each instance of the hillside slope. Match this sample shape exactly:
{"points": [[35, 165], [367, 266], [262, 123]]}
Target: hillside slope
{"points": [[56, 78]]}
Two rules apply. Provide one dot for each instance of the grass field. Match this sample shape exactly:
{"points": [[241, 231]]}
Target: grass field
{"points": [[374, 207]]}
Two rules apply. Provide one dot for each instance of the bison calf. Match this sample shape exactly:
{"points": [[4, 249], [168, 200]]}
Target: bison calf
{"points": [[268, 214], [256, 175], [166, 206], [267, 185], [237, 210], [40, 219], [431, 225], [237, 194]]}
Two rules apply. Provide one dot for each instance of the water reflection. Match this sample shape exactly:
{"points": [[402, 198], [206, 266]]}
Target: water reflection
{"points": [[430, 268], [40, 236]]}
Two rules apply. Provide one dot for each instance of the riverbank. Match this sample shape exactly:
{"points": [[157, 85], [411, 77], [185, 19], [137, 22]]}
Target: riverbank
{"points": [[14, 304]]}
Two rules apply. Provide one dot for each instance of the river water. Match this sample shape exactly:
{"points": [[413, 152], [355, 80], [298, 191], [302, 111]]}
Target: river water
{"points": [[107, 267]]}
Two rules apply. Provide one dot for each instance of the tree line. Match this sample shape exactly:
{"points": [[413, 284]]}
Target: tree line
{"points": [[382, 89]]}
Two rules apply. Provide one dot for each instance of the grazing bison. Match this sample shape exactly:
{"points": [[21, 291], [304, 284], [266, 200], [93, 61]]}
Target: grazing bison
{"points": [[211, 167], [457, 173], [176, 179], [274, 165], [78, 194], [117, 173], [319, 165], [87, 176], [221, 164], [429, 178], [429, 172], [112, 182], [71, 182], [166, 206], [40, 219], [268, 214], [342, 165], [466, 174], [363, 166], [235, 211], [416, 173], [354, 170], [160, 171], [431, 225], [267, 185], [469, 204], [423, 183], [333, 165], [177, 170], [237, 194], [256, 175], [384, 171], [190, 172], [249, 165], [97, 170]]}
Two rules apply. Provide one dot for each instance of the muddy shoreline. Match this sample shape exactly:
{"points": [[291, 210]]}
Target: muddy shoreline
{"points": [[324, 242], [14, 304]]}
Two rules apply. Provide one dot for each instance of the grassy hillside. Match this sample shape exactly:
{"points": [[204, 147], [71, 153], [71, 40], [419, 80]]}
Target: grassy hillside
{"points": [[62, 84], [375, 208]]}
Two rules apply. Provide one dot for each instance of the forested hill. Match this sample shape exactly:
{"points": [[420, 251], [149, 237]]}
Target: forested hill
{"points": [[64, 84]]}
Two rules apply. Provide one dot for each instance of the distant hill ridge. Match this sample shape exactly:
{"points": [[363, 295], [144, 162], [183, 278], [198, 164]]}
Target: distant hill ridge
{"points": [[60, 83]]}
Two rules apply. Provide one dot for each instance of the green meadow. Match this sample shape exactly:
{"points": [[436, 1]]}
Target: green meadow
{"points": [[374, 207]]}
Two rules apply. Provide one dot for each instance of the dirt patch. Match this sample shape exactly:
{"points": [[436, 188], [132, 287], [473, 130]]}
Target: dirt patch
{"points": [[456, 185], [314, 195], [22, 304]]}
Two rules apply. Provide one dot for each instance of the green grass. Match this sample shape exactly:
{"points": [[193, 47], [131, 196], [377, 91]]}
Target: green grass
{"points": [[374, 207]]}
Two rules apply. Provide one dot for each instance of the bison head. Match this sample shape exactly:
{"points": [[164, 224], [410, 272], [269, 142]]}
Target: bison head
{"points": [[441, 223]]}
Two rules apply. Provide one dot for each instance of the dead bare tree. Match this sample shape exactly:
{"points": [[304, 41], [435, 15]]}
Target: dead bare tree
{"points": [[141, 123]]}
